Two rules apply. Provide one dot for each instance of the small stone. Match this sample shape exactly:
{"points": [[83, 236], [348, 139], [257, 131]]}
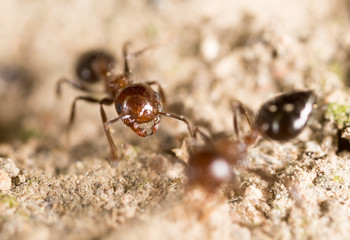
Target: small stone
{"points": [[9, 166], [5, 181]]}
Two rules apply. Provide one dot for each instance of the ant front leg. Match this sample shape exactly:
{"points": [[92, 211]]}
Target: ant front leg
{"points": [[198, 132], [181, 118], [72, 113], [239, 108], [106, 126], [74, 84], [160, 89]]}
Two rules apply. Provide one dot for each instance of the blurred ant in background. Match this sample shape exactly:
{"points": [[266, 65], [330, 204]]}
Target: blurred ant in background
{"points": [[137, 104], [281, 118], [17, 83]]}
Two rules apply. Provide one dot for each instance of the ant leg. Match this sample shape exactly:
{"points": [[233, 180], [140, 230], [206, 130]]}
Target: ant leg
{"points": [[128, 55], [253, 135], [139, 52], [72, 112], [160, 89], [164, 41], [76, 85], [106, 126], [181, 118], [238, 106], [127, 70], [203, 135]]}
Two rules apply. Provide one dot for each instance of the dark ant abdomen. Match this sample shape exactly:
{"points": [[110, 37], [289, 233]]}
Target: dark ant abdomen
{"points": [[93, 65], [285, 116]]}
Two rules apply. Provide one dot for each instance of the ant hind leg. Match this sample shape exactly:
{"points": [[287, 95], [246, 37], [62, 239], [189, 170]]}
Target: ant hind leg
{"points": [[74, 84]]}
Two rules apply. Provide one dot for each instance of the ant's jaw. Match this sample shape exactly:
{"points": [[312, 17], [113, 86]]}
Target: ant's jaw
{"points": [[144, 129], [147, 127]]}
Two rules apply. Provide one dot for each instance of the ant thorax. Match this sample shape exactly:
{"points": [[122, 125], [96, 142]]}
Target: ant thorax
{"points": [[117, 83]]}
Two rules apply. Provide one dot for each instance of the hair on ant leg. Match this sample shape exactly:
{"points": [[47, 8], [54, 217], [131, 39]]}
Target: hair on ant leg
{"points": [[138, 106]]}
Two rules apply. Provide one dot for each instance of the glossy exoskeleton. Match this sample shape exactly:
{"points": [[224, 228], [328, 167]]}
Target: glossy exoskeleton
{"points": [[281, 118], [137, 104]]}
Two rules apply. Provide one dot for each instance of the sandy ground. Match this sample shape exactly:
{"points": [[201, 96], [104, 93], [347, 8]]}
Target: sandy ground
{"points": [[208, 52]]}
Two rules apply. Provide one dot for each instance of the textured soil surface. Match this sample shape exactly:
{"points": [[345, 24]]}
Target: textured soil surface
{"points": [[205, 54]]}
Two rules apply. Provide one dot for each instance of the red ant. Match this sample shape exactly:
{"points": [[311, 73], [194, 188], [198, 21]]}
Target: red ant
{"points": [[281, 118], [137, 104]]}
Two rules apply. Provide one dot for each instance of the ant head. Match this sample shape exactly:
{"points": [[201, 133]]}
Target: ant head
{"points": [[235, 151], [285, 116], [141, 104], [93, 65], [208, 168]]}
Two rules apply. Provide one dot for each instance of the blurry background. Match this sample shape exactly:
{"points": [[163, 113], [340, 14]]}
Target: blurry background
{"points": [[208, 53]]}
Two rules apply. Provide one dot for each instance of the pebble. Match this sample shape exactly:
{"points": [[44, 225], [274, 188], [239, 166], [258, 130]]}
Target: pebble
{"points": [[9, 166], [5, 181], [8, 171]]}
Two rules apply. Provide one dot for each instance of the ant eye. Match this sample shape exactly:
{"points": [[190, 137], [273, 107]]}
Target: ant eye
{"points": [[94, 64], [119, 108], [285, 116]]}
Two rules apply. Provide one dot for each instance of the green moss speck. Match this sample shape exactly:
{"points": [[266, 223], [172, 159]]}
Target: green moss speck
{"points": [[8, 200], [339, 114], [338, 179], [27, 134]]}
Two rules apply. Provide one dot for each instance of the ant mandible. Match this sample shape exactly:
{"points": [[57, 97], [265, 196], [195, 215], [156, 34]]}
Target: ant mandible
{"points": [[137, 104], [281, 118]]}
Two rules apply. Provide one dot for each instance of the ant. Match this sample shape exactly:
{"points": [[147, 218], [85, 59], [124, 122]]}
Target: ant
{"points": [[281, 119], [138, 106]]}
